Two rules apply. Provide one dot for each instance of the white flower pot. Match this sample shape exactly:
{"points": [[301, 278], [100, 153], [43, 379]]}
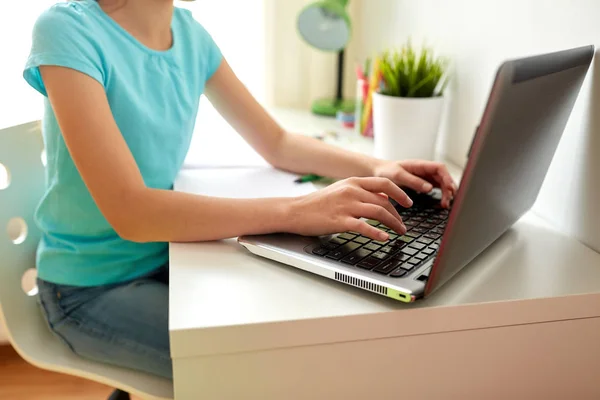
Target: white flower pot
{"points": [[406, 128]]}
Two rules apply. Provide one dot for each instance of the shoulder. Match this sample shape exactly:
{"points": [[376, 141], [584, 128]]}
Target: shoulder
{"points": [[65, 35], [65, 26], [64, 16], [187, 22], [199, 42]]}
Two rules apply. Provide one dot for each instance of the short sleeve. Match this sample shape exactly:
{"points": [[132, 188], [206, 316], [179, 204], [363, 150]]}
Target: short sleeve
{"points": [[213, 52], [61, 38]]}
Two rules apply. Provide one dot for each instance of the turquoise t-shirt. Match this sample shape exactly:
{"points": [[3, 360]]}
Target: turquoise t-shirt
{"points": [[154, 98]]}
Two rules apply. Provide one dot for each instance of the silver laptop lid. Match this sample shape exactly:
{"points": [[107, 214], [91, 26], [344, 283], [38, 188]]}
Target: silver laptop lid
{"points": [[526, 114]]}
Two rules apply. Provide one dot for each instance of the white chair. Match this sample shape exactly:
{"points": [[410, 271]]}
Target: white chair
{"points": [[20, 153]]}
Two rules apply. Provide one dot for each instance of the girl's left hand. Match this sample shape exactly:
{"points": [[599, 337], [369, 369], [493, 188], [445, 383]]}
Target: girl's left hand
{"points": [[419, 175]]}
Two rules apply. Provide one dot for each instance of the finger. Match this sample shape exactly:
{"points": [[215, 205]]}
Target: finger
{"points": [[434, 169], [378, 199], [448, 188], [388, 187], [424, 168], [360, 226], [443, 177], [445, 199], [414, 182], [380, 214]]}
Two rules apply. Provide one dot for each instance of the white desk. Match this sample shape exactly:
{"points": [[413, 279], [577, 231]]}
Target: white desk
{"points": [[520, 321]]}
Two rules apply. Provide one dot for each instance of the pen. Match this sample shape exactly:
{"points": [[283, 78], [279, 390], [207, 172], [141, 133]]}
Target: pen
{"points": [[308, 178]]}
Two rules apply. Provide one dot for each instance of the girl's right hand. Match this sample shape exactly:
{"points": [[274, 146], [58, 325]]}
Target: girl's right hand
{"points": [[340, 207]]}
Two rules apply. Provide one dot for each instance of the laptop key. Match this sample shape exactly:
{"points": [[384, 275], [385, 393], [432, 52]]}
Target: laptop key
{"points": [[417, 245], [428, 251], [434, 246], [398, 272], [372, 222], [356, 256], [412, 234], [402, 257], [432, 236], [422, 256], [407, 266], [415, 261], [381, 255], [406, 239], [409, 251], [346, 236], [341, 251], [427, 225], [389, 249], [420, 230], [338, 241], [379, 242], [439, 231], [387, 266], [372, 246], [398, 244], [425, 240], [368, 263], [361, 240], [320, 251]]}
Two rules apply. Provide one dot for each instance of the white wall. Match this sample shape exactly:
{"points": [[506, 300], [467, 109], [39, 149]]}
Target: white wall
{"points": [[478, 35], [298, 74]]}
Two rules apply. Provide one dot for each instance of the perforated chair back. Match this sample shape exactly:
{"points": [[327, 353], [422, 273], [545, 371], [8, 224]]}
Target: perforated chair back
{"points": [[21, 189]]}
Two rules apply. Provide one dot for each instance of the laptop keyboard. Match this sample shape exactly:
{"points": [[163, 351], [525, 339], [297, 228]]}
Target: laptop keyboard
{"points": [[397, 256]]}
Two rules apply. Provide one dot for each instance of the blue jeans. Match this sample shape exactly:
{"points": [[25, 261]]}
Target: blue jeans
{"points": [[123, 324]]}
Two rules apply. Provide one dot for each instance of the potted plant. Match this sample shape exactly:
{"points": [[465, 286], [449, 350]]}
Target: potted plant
{"points": [[407, 108]]}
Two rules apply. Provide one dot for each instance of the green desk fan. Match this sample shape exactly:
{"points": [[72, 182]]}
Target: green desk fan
{"points": [[325, 25]]}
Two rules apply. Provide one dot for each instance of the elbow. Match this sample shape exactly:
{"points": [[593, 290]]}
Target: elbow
{"points": [[130, 221], [129, 231], [129, 228], [274, 154]]}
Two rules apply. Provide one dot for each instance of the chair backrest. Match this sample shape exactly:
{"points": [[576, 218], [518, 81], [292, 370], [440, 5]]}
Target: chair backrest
{"points": [[21, 156]]}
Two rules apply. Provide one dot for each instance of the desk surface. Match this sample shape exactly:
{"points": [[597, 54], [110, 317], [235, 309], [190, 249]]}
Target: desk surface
{"points": [[219, 286]]}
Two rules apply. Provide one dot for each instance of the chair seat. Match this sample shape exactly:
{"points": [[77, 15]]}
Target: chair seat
{"points": [[47, 352]]}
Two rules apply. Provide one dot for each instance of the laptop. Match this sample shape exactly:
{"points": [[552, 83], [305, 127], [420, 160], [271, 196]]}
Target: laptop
{"points": [[528, 107]]}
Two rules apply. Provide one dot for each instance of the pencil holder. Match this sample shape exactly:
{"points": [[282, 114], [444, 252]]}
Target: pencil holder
{"points": [[362, 91]]}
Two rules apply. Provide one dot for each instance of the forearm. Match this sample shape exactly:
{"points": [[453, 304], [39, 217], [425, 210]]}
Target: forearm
{"points": [[303, 154], [168, 216]]}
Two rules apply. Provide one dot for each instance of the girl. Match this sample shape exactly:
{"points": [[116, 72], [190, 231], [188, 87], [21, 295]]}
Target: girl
{"points": [[122, 81]]}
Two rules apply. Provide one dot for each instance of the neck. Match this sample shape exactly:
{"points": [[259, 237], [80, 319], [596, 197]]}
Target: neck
{"points": [[149, 21]]}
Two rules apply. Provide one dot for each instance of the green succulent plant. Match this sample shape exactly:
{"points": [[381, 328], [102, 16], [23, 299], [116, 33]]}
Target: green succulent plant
{"points": [[411, 73]]}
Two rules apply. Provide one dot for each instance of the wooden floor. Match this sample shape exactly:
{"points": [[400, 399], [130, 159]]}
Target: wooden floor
{"points": [[21, 381]]}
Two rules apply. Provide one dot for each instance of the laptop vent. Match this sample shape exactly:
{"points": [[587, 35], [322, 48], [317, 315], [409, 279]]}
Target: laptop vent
{"points": [[350, 280]]}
